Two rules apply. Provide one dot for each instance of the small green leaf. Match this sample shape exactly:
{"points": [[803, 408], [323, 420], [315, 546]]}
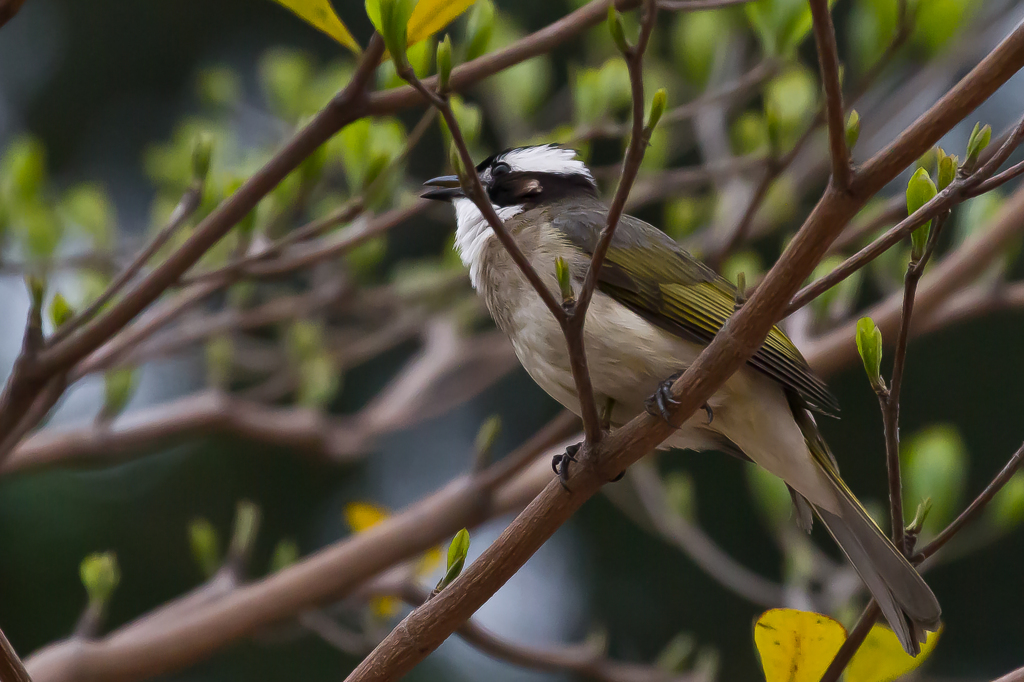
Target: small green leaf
{"points": [[457, 551], [100, 575], [444, 63], [564, 280], [681, 494], [980, 137], [658, 104], [119, 386], [920, 190], [202, 152], [488, 434], [286, 553], [948, 164], [393, 25], [869, 345], [920, 516], [36, 290], [247, 524], [89, 211], [852, 129], [1006, 511], [60, 310], [205, 545], [23, 168], [479, 28], [616, 28], [934, 466]]}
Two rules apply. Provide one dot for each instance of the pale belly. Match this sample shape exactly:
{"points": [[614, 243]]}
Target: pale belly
{"points": [[628, 357]]}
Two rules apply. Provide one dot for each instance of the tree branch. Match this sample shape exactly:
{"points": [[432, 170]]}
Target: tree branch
{"points": [[828, 61]]}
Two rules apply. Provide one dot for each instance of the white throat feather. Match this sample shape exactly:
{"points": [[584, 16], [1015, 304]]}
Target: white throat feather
{"points": [[473, 231]]}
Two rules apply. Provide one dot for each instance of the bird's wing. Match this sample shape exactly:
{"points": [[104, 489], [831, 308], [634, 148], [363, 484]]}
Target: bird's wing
{"points": [[649, 273]]}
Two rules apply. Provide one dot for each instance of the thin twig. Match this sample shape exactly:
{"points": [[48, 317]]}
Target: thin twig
{"points": [[11, 667], [179, 216], [828, 62], [638, 141]]}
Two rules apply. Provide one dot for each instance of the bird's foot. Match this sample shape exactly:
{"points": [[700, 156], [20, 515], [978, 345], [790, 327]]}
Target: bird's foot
{"points": [[659, 404], [560, 463]]}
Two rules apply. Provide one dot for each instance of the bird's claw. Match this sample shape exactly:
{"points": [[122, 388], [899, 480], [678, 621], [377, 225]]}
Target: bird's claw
{"points": [[658, 404], [560, 464]]}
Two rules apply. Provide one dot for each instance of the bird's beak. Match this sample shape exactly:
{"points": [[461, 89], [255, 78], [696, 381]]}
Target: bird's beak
{"points": [[448, 188]]}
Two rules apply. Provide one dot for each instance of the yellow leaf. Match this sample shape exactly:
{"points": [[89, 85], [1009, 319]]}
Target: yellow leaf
{"points": [[384, 607], [881, 658], [363, 515], [430, 16], [320, 15], [796, 646]]}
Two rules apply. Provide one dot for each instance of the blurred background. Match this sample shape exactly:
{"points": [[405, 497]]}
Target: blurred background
{"points": [[109, 93]]}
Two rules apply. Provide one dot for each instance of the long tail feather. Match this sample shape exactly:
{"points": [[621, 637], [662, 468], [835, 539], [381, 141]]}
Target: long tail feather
{"points": [[906, 601]]}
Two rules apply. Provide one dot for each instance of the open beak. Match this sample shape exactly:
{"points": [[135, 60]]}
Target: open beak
{"points": [[447, 188]]}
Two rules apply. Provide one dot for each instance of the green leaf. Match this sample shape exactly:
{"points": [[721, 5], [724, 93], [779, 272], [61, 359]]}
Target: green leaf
{"points": [[319, 381], [658, 104], [487, 434], [60, 310], [393, 25], [119, 386], [1006, 511], [285, 75], [564, 279], [796, 646], [444, 63], [852, 129], [89, 210], [220, 352], [205, 545], [479, 28], [881, 657], [781, 24], [617, 29], [286, 553], [770, 495], [320, 14], [934, 465], [697, 37], [869, 345], [202, 152], [458, 549], [980, 137], [790, 101], [947, 164], [920, 190], [681, 494], [219, 86], [100, 575], [23, 168]]}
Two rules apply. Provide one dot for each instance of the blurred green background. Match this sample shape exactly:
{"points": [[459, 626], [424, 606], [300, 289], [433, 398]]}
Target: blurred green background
{"points": [[99, 80]]}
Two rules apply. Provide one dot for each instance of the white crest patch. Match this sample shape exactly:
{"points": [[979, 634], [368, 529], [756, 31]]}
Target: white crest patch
{"points": [[546, 158], [473, 231]]}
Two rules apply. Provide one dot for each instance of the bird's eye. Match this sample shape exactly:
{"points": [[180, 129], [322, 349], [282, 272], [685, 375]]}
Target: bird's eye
{"points": [[499, 169]]}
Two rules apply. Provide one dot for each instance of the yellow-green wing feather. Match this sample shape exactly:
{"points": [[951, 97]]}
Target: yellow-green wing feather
{"points": [[648, 272]]}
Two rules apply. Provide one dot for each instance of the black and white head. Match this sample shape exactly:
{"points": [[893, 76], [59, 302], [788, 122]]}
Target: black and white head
{"points": [[516, 180]]}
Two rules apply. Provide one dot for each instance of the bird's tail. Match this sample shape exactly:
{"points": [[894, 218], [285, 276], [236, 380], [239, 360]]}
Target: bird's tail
{"points": [[906, 601]]}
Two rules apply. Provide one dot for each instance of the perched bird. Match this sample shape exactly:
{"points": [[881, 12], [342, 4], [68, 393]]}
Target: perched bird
{"points": [[654, 309]]}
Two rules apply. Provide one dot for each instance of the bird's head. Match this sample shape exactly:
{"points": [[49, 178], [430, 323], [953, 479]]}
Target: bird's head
{"points": [[523, 177], [515, 180]]}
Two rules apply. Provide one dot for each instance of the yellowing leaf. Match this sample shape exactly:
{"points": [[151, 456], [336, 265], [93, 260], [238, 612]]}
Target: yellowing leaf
{"points": [[796, 646], [363, 515], [881, 658], [384, 607], [320, 15], [430, 16]]}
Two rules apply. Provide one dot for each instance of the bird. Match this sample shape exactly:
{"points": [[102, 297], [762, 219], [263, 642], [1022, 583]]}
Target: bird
{"points": [[653, 310]]}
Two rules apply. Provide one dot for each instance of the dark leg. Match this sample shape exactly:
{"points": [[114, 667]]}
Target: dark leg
{"points": [[560, 463], [661, 402]]}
